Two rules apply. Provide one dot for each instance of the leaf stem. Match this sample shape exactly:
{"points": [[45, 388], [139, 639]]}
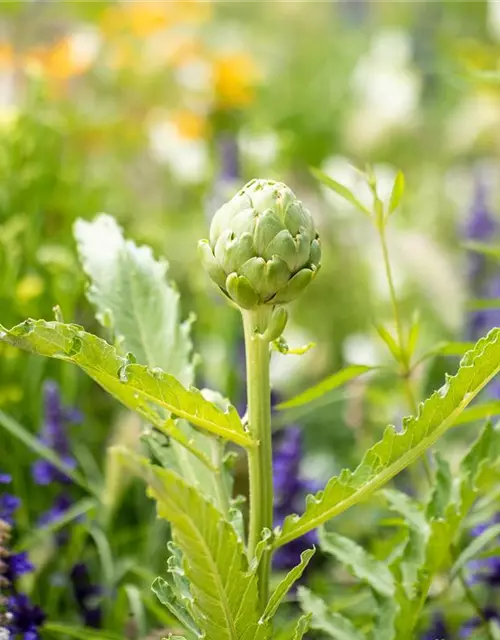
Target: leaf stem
{"points": [[471, 598], [259, 418]]}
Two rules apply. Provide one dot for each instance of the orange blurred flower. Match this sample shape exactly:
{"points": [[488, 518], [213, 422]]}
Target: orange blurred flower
{"points": [[59, 61], [6, 55], [235, 77]]}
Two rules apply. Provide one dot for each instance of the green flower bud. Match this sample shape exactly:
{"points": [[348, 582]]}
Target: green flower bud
{"points": [[263, 247]]}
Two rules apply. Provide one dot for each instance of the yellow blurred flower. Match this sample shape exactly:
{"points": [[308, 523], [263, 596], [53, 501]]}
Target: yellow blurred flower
{"points": [[29, 288], [10, 394], [235, 76], [146, 17], [190, 125]]}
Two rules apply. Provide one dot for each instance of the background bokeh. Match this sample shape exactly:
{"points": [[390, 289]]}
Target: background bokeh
{"points": [[156, 113]]}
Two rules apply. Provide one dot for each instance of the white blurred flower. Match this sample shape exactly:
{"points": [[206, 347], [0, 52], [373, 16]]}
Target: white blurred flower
{"points": [[187, 157], [261, 149], [361, 348], [478, 115], [494, 18], [287, 368], [340, 169], [84, 47], [195, 75], [386, 89]]}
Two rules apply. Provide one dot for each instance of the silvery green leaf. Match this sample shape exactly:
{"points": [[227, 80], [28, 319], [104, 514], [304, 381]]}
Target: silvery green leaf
{"points": [[133, 297]]}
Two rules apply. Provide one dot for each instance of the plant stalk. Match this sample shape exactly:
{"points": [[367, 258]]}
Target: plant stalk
{"points": [[260, 462], [403, 355]]}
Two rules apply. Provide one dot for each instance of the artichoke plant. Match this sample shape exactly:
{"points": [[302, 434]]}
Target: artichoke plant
{"points": [[263, 246]]}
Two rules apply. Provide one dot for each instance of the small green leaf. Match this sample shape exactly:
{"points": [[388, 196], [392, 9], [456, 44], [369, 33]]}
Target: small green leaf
{"points": [[167, 597], [334, 624], [398, 449], [285, 585], [361, 564], [483, 304], [81, 633], [397, 192], [342, 191], [389, 341], [493, 251], [136, 386], [326, 385], [472, 550], [477, 412]]}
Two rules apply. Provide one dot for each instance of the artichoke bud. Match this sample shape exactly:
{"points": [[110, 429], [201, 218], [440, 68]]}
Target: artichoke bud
{"points": [[263, 247]]}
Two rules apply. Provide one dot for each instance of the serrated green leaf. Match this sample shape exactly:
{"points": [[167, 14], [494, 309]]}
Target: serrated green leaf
{"points": [[325, 386], [225, 595], [334, 624], [167, 597], [472, 550], [474, 469], [361, 563], [397, 450], [342, 191], [286, 584], [397, 192], [132, 296], [442, 490], [302, 626], [385, 620], [409, 508], [136, 386]]}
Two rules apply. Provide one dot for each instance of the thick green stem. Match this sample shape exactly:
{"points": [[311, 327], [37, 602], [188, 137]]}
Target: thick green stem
{"points": [[260, 460]]}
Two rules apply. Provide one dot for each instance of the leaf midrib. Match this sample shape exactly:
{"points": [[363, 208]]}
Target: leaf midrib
{"points": [[222, 592]]}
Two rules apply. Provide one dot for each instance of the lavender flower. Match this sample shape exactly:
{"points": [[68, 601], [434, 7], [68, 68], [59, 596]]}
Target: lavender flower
{"points": [[489, 613], [54, 435], [437, 631], [483, 283], [19, 617], [87, 596], [290, 490], [484, 570]]}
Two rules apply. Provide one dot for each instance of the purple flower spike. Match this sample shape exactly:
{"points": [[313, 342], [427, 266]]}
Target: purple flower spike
{"points": [[290, 490]]}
